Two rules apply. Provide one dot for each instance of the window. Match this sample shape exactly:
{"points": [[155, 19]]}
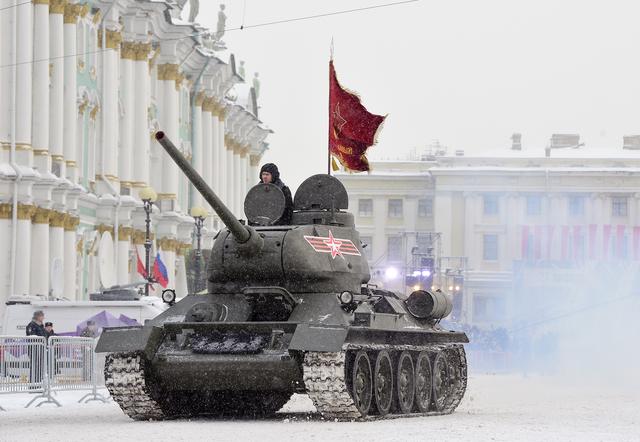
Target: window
{"points": [[425, 207], [365, 207], [368, 242], [619, 206], [576, 206], [490, 203], [534, 205], [394, 248], [490, 247], [395, 208], [424, 243]]}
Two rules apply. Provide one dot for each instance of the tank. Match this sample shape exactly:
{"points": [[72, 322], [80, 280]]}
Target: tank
{"points": [[288, 310]]}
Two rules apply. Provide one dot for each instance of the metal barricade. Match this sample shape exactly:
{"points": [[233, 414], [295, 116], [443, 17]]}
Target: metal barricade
{"points": [[22, 364]]}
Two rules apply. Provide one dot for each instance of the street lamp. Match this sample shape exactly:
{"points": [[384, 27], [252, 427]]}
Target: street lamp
{"points": [[199, 214], [148, 197]]}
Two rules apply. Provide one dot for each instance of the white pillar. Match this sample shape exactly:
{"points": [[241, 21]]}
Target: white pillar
{"points": [[6, 44], [231, 179], [243, 181], [39, 284], [197, 142], [111, 112], [56, 100], [70, 258], [124, 234], [5, 238], [222, 167], [40, 127], [168, 76], [181, 274], [207, 142], [23, 250], [70, 91], [56, 239], [24, 59], [237, 181], [141, 146], [215, 153], [128, 95]]}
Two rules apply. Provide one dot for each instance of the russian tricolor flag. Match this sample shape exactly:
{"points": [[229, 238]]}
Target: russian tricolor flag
{"points": [[160, 271]]}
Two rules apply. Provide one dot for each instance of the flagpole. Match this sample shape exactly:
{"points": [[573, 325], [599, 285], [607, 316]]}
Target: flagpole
{"points": [[329, 115]]}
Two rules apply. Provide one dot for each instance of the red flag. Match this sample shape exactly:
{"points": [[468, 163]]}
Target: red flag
{"points": [[352, 129], [141, 270]]}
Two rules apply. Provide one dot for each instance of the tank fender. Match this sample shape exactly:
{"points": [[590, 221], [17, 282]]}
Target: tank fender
{"points": [[309, 337], [128, 339]]}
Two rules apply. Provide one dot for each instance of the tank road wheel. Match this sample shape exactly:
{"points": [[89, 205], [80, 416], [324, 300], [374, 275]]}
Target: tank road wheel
{"points": [[362, 390], [423, 382], [405, 383], [383, 382], [441, 381]]}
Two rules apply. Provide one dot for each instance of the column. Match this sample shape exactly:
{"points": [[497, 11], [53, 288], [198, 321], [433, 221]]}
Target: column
{"points": [[168, 77], [222, 166], [70, 257], [40, 127], [141, 145], [56, 88], [207, 142], [39, 284], [231, 177], [24, 58], [128, 95], [23, 250], [197, 142], [243, 180], [5, 260], [216, 168], [254, 169], [5, 79], [111, 112], [237, 183], [70, 120], [181, 269], [56, 240], [124, 237]]}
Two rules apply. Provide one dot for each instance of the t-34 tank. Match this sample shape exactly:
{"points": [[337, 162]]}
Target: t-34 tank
{"points": [[288, 310]]}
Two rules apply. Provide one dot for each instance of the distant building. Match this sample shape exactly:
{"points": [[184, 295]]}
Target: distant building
{"points": [[93, 82], [507, 215]]}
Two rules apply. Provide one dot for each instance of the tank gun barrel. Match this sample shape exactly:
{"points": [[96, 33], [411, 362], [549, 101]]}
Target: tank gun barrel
{"points": [[239, 231]]}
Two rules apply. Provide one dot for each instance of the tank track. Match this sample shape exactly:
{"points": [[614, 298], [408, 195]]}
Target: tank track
{"points": [[124, 375], [325, 380]]}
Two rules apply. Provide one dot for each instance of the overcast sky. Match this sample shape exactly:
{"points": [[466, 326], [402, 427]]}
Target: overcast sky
{"points": [[466, 72]]}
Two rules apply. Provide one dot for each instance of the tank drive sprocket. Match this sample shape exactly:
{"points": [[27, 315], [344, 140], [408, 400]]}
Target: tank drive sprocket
{"points": [[339, 390]]}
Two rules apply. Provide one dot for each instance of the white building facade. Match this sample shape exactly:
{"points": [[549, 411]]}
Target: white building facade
{"points": [[503, 218], [84, 85]]}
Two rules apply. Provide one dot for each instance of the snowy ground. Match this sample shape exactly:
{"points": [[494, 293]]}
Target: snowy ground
{"points": [[496, 407]]}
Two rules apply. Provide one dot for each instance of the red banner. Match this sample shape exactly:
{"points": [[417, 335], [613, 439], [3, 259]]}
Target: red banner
{"points": [[578, 244], [550, 231], [524, 246], [606, 239], [636, 243], [352, 129], [593, 230], [620, 241], [564, 243], [537, 241]]}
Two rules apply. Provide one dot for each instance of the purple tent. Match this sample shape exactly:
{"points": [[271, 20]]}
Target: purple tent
{"points": [[106, 319]]}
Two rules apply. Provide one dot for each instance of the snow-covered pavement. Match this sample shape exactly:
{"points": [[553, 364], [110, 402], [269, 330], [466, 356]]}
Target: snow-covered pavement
{"points": [[496, 407]]}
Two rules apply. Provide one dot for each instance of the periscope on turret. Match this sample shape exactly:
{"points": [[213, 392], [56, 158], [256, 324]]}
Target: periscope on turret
{"points": [[288, 309]]}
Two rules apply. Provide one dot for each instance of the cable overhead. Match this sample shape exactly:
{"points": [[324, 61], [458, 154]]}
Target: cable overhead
{"points": [[240, 28]]}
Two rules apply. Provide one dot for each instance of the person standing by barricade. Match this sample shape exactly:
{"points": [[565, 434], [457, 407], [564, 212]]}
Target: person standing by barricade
{"points": [[36, 356]]}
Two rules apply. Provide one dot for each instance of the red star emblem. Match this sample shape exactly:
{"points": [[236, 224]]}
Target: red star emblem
{"points": [[334, 245]]}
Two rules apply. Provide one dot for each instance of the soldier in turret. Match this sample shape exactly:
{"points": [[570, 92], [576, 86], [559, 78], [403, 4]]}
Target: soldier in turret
{"points": [[269, 174]]}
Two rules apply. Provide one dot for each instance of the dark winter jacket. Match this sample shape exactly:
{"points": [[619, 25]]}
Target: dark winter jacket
{"points": [[35, 329], [285, 220]]}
